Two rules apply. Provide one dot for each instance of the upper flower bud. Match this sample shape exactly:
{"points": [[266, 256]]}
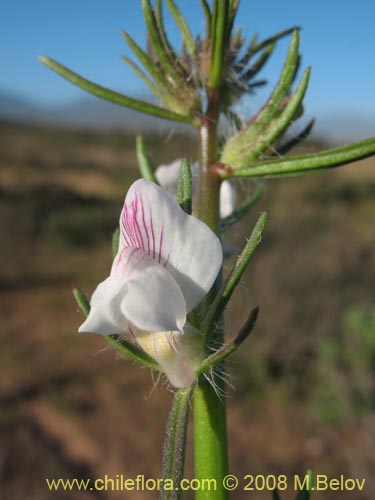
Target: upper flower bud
{"points": [[167, 176]]}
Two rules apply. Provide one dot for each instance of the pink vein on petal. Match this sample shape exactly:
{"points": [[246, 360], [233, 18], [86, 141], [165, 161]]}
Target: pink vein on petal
{"points": [[131, 224], [161, 242], [167, 259], [153, 235], [120, 261], [145, 226], [124, 231], [127, 227], [136, 228]]}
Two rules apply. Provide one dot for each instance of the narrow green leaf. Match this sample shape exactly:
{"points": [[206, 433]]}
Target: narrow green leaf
{"points": [[137, 70], [168, 68], [243, 61], [255, 47], [115, 242], [222, 298], [182, 26], [82, 302], [160, 22], [305, 494], [237, 40], [296, 69], [287, 146], [242, 211], [257, 83], [148, 63], [278, 126], [185, 186], [227, 349], [259, 63], [219, 40], [311, 162], [208, 16], [283, 85], [233, 9], [275, 38], [177, 61], [234, 119], [175, 443], [238, 145], [144, 163], [110, 95], [127, 349]]}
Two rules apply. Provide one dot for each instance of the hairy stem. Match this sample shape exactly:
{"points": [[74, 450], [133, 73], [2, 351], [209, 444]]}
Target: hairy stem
{"points": [[210, 437], [207, 203]]}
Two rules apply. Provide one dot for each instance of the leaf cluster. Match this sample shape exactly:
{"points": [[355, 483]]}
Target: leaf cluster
{"points": [[209, 75]]}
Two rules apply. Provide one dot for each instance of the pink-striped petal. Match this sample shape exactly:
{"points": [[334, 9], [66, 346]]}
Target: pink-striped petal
{"points": [[153, 221], [105, 302], [153, 300], [139, 292]]}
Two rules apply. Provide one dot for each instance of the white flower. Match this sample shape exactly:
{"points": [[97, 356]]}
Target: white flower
{"points": [[166, 263], [167, 176]]}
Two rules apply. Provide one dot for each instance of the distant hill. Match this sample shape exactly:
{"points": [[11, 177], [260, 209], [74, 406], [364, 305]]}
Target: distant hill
{"points": [[93, 113], [90, 112], [13, 107]]}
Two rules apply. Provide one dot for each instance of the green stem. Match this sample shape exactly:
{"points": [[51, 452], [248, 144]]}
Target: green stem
{"points": [[207, 203], [210, 434]]}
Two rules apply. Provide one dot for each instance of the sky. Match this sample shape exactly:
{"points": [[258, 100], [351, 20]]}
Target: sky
{"points": [[337, 40]]}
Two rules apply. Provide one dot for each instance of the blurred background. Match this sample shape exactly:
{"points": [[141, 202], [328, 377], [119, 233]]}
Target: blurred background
{"points": [[303, 384]]}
